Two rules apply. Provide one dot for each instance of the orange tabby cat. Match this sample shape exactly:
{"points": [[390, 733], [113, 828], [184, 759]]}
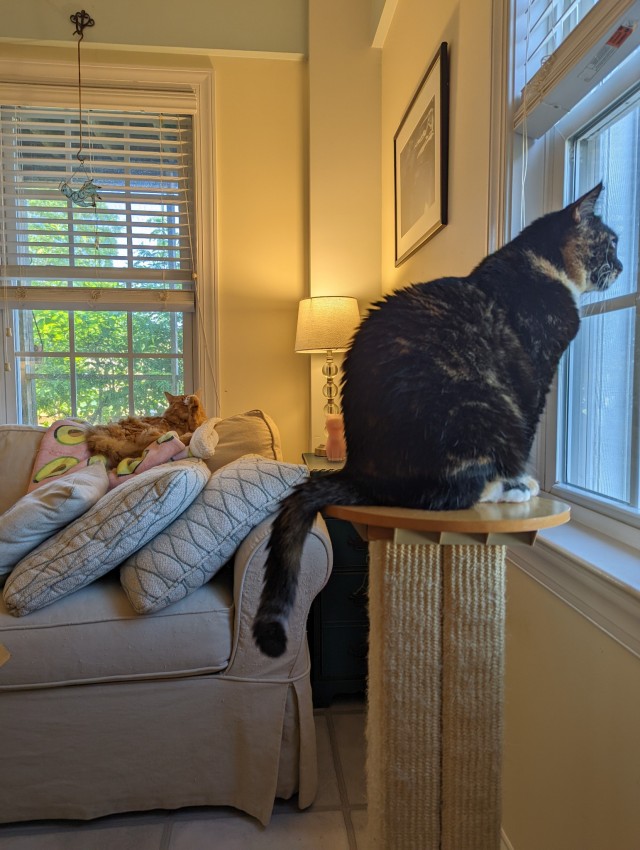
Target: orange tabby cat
{"points": [[130, 436]]}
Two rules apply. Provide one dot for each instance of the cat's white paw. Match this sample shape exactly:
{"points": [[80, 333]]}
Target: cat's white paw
{"points": [[515, 495], [516, 490]]}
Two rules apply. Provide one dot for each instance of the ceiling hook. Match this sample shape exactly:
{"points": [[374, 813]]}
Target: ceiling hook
{"points": [[82, 20]]}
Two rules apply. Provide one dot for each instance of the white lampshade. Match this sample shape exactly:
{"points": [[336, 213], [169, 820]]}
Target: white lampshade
{"points": [[326, 323]]}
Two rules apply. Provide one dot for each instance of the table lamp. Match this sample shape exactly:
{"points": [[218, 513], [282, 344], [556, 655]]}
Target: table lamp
{"points": [[326, 324]]}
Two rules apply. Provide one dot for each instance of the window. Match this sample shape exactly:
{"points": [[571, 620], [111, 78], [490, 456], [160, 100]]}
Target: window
{"points": [[100, 309], [577, 121], [599, 425]]}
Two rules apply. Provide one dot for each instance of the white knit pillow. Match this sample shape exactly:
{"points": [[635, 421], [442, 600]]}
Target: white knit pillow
{"points": [[194, 547], [121, 522]]}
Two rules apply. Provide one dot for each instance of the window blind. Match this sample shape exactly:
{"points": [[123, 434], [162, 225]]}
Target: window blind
{"points": [[546, 24], [564, 48], [134, 249]]}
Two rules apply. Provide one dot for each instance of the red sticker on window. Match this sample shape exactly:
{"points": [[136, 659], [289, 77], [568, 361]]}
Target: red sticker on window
{"points": [[620, 36]]}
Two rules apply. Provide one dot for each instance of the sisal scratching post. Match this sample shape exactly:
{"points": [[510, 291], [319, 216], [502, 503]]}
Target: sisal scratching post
{"points": [[436, 660], [434, 726], [473, 661], [403, 722]]}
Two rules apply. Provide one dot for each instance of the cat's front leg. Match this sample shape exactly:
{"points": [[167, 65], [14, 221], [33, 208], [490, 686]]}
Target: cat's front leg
{"points": [[520, 489]]}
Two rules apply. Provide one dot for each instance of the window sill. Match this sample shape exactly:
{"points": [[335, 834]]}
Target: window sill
{"points": [[594, 574]]}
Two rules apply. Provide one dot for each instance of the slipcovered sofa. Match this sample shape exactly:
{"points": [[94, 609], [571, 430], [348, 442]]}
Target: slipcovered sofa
{"points": [[105, 710]]}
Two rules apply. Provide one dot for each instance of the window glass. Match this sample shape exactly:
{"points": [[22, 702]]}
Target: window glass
{"points": [[600, 435], [599, 414], [113, 363]]}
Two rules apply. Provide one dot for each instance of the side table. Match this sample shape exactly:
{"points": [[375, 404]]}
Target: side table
{"points": [[436, 659], [338, 626]]}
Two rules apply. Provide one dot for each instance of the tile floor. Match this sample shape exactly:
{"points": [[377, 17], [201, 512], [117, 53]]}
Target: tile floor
{"points": [[336, 820]]}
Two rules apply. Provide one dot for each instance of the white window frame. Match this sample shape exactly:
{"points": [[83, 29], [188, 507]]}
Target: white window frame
{"points": [[117, 87], [593, 562], [616, 523]]}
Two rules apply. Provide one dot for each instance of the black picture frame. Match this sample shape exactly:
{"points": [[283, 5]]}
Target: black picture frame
{"points": [[421, 160]]}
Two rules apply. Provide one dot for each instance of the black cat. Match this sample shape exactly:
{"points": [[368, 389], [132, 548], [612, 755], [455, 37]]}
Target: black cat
{"points": [[444, 385]]}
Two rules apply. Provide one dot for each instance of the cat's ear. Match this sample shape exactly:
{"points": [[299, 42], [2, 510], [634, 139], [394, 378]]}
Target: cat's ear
{"points": [[170, 398], [584, 206]]}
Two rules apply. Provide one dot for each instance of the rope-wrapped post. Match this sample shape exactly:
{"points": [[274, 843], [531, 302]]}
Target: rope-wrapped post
{"points": [[404, 773], [434, 724], [436, 662], [472, 695]]}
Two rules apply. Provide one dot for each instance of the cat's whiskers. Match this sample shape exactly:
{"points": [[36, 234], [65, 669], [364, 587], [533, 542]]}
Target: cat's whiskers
{"points": [[602, 281], [607, 272]]}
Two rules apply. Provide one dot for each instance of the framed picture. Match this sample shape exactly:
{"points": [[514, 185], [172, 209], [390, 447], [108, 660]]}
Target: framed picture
{"points": [[421, 160]]}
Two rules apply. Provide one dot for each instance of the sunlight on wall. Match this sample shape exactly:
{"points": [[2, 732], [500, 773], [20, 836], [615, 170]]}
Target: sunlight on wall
{"points": [[260, 114], [416, 32], [344, 157]]}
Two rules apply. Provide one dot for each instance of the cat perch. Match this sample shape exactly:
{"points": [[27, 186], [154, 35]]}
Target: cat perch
{"points": [[436, 660]]}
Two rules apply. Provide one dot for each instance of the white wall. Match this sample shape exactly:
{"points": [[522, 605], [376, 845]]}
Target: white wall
{"points": [[572, 736], [417, 29], [344, 164], [261, 200]]}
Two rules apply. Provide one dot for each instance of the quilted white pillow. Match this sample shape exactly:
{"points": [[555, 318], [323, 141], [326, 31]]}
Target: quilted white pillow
{"points": [[121, 522], [194, 547], [38, 515]]}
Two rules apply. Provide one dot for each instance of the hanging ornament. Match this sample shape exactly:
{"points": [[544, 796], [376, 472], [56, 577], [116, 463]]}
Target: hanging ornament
{"points": [[86, 193]]}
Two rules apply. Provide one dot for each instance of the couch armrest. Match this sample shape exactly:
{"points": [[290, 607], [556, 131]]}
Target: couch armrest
{"points": [[317, 558]]}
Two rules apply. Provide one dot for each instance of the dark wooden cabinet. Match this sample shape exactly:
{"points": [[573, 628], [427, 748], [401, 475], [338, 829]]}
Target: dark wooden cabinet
{"points": [[338, 622]]}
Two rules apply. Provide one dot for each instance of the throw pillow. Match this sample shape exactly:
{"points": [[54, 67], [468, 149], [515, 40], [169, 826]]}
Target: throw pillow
{"points": [[250, 433], [205, 536], [121, 522], [38, 515]]}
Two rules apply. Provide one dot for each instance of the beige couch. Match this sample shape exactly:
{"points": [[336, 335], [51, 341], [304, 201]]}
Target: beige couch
{"points": [[103, 710]]}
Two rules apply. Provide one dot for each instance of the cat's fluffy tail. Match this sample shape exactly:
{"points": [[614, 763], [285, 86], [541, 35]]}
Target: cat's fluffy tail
{"points": [[288, 534]]}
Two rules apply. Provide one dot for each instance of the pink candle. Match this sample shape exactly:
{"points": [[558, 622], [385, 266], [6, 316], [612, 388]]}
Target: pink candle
{"points": [[336, 445]]}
